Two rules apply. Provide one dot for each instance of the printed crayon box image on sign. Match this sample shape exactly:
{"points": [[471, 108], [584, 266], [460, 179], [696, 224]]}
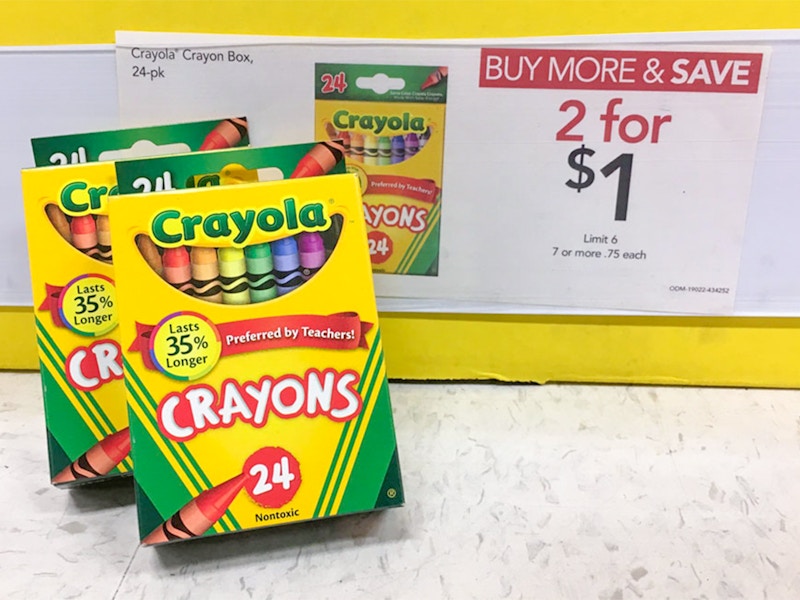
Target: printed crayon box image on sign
{"points": [[72, 272], [390, 120], [254, 413]]}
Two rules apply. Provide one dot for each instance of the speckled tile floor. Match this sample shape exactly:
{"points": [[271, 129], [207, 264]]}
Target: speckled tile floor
{"points": [[556, 491]]}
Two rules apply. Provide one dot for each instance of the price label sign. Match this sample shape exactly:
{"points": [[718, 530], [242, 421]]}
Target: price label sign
{"points": [[639, 166]]}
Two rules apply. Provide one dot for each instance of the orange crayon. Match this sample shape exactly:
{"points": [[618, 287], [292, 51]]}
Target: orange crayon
{"points": [[149, 252], [84, 234], [199, 514], [103, 238], [177, 268], [320, 160], [225, 135], [205, 274], [434, 78], [98, 460], [356, 153], [59, 221]]}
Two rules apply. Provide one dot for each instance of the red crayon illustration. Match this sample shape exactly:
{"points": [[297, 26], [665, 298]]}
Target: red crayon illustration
{"points": [[84, 234], [177, 268], [320, 160], [225, 135], [98, 460], [199, 514], [434, 78]]}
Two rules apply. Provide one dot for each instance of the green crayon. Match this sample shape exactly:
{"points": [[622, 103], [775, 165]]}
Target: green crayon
{"points": [[384, 150], [259, 272]]}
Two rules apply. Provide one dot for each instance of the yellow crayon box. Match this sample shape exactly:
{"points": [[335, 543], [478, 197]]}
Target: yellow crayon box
{"points": [[390, 119], [74, 294], [254, 370]]}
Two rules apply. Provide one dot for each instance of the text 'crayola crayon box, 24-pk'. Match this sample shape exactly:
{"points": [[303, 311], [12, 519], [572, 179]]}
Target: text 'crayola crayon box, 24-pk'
{"points": [[390, 120], [254, 405], [72, 273]]}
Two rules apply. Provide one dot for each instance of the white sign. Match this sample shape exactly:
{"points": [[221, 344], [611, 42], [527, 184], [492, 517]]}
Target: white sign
{"points": [[603, 178]]}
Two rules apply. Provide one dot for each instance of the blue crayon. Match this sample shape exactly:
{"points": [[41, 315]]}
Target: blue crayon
{"points": [[286, 261], [398, 149], [424, 137], [412, 145]]}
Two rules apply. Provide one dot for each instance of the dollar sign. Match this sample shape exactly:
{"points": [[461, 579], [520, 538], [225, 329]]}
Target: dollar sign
{"points": [[575, 161]]}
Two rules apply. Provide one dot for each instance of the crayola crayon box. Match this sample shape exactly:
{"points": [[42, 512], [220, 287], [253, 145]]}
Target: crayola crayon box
{"points": [[74, 294], [390, 119], [254, 368]]}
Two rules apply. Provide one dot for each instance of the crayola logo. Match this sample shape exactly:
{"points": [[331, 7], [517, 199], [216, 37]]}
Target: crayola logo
{"points": [[79, 198], [171, 227], [344, 119]]}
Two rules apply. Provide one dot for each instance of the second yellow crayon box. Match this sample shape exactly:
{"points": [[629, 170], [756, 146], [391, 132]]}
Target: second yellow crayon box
{"points": [[72, 275], [262, 404]]}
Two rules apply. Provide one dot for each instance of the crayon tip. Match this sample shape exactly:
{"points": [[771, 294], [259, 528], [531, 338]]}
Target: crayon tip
{"points": [[175, 257], [214, 502], [226, 134], [284, 246], [231, 254], [310, 242], [83, 224], [204, 256], [117, 445], [258, 251], [434, 78], [320, 160]]}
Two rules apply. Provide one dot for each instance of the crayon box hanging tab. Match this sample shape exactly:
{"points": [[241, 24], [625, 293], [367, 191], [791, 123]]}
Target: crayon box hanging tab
{"points": [[390, 119], [256, 384], [72, 273], [235, 166]]}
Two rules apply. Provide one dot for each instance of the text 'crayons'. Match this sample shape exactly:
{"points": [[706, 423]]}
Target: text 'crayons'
{"points": [[240, 276]]}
